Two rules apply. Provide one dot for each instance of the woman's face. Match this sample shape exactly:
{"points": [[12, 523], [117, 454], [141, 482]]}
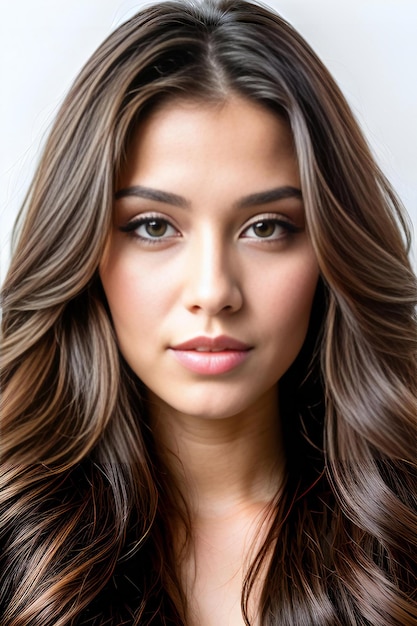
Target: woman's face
{"points": [[209, 272]]}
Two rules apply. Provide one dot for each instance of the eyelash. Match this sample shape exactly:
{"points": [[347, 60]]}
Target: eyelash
{"points": [[133, 226], [288, 227]]}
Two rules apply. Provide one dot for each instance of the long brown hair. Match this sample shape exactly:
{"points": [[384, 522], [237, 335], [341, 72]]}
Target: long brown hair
{"points": [[85, 510]]}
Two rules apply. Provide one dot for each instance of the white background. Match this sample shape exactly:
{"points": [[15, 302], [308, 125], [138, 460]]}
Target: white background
{"points": [[370, 46]]}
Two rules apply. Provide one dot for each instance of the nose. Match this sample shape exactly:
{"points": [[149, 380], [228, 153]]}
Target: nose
{"points": [[212, 283]]}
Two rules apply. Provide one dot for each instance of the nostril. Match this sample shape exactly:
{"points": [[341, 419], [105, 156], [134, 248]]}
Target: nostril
{"points": [[208, 287]]}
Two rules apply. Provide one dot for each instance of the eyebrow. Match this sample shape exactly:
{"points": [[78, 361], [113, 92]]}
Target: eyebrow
{"points": [[262, 197], [152, 194], [271, 195]]}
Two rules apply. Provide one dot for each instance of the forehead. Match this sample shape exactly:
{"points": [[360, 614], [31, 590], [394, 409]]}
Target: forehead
{"points": [[203, 150]]}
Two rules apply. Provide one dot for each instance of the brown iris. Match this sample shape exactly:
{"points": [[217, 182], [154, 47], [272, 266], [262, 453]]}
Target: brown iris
{"points": [[264, 228], [156, 228]]}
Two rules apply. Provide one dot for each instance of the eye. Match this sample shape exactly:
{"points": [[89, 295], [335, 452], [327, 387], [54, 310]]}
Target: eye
{"points": [[154, 228], [150, 228], [271, 228]]}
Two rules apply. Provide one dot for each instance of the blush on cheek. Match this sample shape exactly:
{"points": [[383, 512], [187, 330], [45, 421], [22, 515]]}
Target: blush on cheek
{"points": [[292, 300], [294, 320]]}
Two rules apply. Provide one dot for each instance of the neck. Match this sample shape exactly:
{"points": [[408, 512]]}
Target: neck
{"points": [[221, 464]]}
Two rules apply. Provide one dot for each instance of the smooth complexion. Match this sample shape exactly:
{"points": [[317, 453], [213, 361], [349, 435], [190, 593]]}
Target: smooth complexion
{"points": [[206, 258], [210, 276]]}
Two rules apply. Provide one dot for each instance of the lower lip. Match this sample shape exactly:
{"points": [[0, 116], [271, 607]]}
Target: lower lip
{"points": [[210, 363]]}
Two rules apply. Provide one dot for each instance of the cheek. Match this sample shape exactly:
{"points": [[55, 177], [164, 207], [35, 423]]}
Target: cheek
{"points": [[130, 297], [288, 303], [140, 297], [292, 290], [132, 309], [300, 296]]}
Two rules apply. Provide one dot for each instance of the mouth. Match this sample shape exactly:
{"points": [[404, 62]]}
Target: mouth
{"points": [[211, 355], [212, 344]]}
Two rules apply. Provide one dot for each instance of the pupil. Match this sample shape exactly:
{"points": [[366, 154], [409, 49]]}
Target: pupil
{"points": [[264, 229], [156, 228]]}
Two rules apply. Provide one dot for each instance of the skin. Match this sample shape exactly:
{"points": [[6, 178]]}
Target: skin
{"points": [[213, 262]]}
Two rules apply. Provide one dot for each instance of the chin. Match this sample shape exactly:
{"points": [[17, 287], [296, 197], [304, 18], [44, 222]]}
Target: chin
{"points": [[217, 405]]}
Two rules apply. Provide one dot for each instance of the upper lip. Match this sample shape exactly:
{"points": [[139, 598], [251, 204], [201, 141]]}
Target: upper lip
{"points": [[222, 342]]}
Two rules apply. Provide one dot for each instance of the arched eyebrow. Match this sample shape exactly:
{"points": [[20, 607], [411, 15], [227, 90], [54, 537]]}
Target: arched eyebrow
{"points": [[271, 195], [262, 197], [149, 193]]}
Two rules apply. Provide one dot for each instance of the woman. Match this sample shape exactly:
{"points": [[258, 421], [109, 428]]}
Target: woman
{"points": [[209, 373]]}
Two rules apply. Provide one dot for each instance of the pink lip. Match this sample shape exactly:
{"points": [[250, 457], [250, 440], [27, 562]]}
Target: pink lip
{"points": [[228, 354], [222, 342]]}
